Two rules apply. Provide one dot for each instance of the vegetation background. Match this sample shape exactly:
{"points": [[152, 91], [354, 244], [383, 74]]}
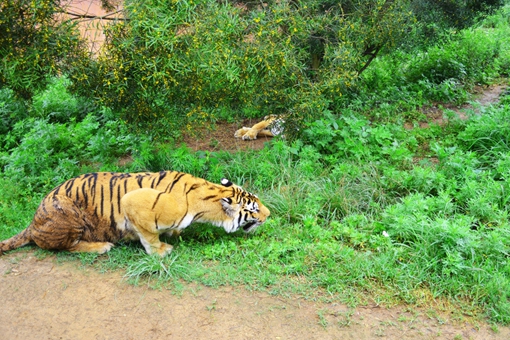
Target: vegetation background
{"points": [[368, 202]]}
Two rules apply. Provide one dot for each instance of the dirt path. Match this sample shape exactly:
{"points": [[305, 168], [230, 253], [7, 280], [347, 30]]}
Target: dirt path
{"points": [[42, 299]]}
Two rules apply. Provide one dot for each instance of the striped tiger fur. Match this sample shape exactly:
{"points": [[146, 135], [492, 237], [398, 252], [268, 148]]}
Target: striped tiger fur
{"points": [[91, 212]]}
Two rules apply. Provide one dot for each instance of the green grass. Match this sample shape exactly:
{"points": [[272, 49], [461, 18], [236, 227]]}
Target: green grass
{"points": [[359, 227]]}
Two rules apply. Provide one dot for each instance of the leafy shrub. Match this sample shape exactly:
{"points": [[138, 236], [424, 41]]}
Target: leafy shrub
{"points": [[17, 205], [12, 110], [353, 137], [467, 58], [488, 134], [443, 72], [51, 153], [191, 61], [434, 17], [35, 44], [56, 104]]}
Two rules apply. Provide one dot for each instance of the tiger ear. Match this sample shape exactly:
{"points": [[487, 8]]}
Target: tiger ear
{"points": [[226, 183], [228, 208]]}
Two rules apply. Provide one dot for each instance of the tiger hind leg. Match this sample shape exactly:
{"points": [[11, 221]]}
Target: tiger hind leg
{"points": [[59, 224], [91, 247]]}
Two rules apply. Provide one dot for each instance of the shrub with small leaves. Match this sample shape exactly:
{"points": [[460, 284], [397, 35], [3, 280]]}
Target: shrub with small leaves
{"points": [[35, 44]]}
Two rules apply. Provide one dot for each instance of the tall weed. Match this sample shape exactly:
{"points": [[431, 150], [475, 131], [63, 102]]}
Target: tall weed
{"points": [[57, 105], [51, 153], [12, 110]]}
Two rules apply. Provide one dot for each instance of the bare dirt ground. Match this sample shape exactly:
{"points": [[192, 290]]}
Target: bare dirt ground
{"points": [[221, 137], [42, 299]]}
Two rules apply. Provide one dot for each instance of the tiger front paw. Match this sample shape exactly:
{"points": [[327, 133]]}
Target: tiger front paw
{"points": [[241, 132], [164, 249]]}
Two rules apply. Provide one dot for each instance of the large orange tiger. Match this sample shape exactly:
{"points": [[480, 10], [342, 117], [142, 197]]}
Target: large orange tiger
{"points": [[91, 212]]}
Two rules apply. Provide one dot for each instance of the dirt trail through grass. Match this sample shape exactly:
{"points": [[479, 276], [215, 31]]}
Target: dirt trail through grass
{"points": [[42, 299]]}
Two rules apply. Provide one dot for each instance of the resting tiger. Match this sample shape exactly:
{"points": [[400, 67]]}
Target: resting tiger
{"points": [[271, 126], [91, 212]]}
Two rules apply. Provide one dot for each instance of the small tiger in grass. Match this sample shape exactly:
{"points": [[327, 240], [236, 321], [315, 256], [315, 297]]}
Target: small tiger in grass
{"points": [[271, 126], [91, 212]]}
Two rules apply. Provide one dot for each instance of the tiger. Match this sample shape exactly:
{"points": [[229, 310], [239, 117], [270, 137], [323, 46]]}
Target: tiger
{"points": [[271, 126], [92, 212]]}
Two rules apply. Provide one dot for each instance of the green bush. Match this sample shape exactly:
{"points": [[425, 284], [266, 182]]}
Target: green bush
{"points": [[50, 153], [35, 44], [56, 104], [184, 63], [436, 17], [353, 137], [12, 110], [488, 134], [444, 72]]}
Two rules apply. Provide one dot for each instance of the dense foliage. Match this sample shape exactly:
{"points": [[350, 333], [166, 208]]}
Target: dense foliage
{"points": [[207, 59], [376, 199], [169, 64], [35, 44]]}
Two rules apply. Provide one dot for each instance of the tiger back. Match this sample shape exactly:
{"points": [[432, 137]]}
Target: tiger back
{"points": [[93, 211]]}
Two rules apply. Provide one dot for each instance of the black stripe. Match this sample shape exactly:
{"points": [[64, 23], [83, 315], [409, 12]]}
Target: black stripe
{"points": [[102, 200], [156, 201], [56, 190], [171, 185], [92, 186], [43, 206], [206, 198], [193, 187], [240, 219], [118, 199], [139, 180], [69, 187], [84, 193], [197, 216], [162, 174], [113, 225], [112, 182], [183, 216]]}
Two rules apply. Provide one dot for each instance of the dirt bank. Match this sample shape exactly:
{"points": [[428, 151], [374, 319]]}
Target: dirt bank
{"points": [[42, 299]]}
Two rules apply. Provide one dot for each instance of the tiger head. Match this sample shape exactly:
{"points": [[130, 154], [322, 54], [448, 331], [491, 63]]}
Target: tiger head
{"points": [[244, 209]]}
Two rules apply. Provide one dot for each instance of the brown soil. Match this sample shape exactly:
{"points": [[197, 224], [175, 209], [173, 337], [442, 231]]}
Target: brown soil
{"points": [[42, 299], [221, 137]]}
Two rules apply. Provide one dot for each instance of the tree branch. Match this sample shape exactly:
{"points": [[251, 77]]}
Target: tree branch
{"points": [[94, 17]]}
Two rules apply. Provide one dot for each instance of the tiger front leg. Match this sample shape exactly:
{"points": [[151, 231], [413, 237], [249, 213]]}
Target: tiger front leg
{"points": [[241, 132], [256, 130], [152, 243], [140, 210]]}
